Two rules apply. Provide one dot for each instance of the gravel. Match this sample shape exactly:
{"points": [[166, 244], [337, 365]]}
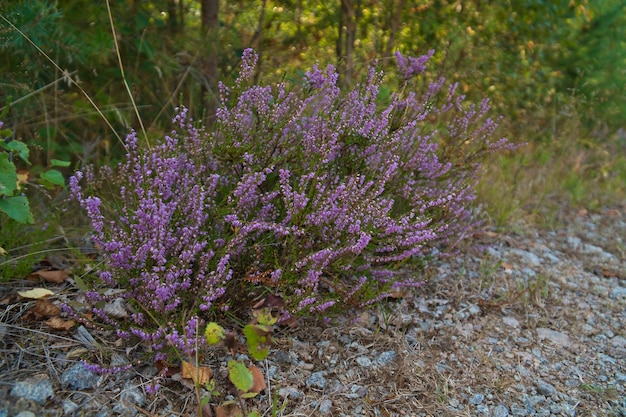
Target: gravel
{"points": [[531, 323]]}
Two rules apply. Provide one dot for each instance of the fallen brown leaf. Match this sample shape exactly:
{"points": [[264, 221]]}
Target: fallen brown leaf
{"points": [[55, 276], [199, 375], [44, 308], [57, 323], [171, 369], [229, 410], [206, 410], [258, 380]]}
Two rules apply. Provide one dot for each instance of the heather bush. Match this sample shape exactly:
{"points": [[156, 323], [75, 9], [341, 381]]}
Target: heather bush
{"points": [[321, 198]]}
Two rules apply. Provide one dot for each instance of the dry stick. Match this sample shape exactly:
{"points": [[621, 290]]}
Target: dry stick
{"points": [[65, 72], [119, 60]]}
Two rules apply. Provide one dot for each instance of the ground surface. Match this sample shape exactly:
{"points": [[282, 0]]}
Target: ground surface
{"points": [[527, 323]]}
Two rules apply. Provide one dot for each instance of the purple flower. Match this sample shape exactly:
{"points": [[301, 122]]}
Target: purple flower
{"points": [[412, 66]]}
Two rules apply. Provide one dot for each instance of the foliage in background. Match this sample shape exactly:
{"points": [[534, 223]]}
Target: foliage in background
{"points": [[530, 55], [313, 195]]}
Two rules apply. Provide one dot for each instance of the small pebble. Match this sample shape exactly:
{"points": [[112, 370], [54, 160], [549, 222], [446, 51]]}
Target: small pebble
{"points": [[364, 361], [78, 377], [325, 406], [545, 389], [316, 380], [37, 389], [291, 393], [500, 411], [477, 399], [385, 358]]}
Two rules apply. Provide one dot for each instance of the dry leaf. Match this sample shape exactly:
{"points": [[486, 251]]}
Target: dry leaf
{"points": [[22, 177], [44, 308], [291, 322], [258, 380], [200, 375], [57, 323], [229, 410], [3, 251], [507, 266], [35, 293], [56, 276], [206, 410], [169, 369]]}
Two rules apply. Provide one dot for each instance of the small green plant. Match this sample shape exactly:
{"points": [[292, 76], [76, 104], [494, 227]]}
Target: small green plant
{"points": [[247, 379], [13, 202]]}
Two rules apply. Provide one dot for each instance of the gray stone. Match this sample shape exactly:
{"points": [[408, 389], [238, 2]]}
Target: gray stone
{"points": [[500, 411], [618, 292], [25, 414], [290, 392], [316, 380], [69, 406], [385, 358], [510, 321], [483, 410], [130, 396], [78, 377], [518, 411], [545, 389], [364, 361], [116, 309], [558, 338], [325, 406], [474, 310], [529, 257], [4, 412], [477, 399], [37, 389]]}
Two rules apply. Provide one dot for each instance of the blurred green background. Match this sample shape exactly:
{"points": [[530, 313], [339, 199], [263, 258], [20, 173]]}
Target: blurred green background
{"points": [[554, 70]]}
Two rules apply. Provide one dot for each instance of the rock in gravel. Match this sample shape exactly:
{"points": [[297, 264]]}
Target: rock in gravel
{"points": [[38, 389], [130, 396], [477, 399], [364, 361], [25, 414], [78, 377], [325, 406], [558, 338], [483, 410], [510, 321], [545, 389], [385, 358], [69, 406], [291, 393], [316, 380], [618, 292], [500, 411]]}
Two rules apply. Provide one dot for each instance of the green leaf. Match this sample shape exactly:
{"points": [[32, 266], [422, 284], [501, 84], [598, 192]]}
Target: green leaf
{"points": [[264, 316], [59, 163], [17, 208], [214, 333], [19, 148], [258, 341], [80, 283], [8, 176], [249, 395], [54, 177], [240, 376]]}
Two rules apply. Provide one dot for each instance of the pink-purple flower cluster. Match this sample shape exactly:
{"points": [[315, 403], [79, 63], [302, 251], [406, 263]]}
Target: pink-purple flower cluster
{"points": [[323, 191]]}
